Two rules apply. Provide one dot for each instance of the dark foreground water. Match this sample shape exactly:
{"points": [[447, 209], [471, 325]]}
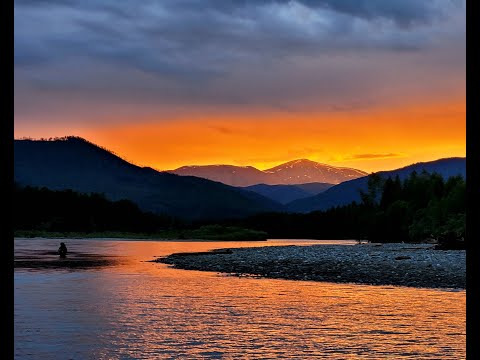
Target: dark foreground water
{"points": [[144, 310]]}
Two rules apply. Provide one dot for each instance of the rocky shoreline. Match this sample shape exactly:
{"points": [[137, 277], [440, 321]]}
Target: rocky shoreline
{"points": [[414, 265]]}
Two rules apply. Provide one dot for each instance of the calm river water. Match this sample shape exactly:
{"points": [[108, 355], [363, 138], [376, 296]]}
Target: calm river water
{"points": [[144, 310]]}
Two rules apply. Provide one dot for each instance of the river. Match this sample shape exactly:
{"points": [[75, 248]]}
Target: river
{"points": [[143, 310]]}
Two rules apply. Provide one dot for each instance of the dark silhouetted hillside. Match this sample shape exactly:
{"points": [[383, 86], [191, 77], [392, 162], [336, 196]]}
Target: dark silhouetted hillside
{"points": [[74, 163], [287, 193]]}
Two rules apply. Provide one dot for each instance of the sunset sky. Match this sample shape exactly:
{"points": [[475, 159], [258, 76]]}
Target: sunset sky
{"points": [[369, 84]]}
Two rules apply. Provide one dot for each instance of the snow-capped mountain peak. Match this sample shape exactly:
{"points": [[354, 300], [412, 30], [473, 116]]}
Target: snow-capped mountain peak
{"points": [[293, 172]]}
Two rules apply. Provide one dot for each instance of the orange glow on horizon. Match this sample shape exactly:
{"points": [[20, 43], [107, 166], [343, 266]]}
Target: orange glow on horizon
{"points": [[368, 140]]}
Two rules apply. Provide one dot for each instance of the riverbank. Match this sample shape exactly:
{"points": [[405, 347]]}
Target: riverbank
{"points": [[414, 265], [206, 233]]}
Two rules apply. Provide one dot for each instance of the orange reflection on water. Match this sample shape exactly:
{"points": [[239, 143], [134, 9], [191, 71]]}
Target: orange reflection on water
{"points": [[147, 310]]}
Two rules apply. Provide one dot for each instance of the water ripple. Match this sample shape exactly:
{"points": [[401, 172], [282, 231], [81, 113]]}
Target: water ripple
{"points": [[141, 310]]}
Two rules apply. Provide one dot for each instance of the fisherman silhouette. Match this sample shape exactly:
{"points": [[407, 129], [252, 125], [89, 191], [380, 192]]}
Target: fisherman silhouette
{"points": [[62, 250]]}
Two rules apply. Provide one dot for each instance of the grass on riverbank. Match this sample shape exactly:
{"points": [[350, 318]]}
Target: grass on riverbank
{"points": [[208, 232]]}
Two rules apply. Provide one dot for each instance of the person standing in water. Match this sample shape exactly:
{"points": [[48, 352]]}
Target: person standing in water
{"points": [[62, 250]]}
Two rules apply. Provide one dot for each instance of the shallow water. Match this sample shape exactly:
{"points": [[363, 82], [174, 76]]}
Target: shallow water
{"points": [[144, 310]]}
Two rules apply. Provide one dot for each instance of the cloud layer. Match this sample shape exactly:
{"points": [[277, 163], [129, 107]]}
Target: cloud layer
{"points": [[104, 59]]}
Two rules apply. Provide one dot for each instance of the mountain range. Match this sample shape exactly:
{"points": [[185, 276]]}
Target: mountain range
{"points": [[288, 193], [349, 191], [293, 172], [74, 163]]}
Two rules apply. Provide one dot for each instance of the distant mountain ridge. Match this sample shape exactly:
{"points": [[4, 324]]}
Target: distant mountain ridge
{"points": [[288, 193], [349, 191], [74, 163], [291, 173]]}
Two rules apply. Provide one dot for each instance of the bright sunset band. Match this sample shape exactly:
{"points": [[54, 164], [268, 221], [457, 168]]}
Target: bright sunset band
{"points": [[370, 141]]}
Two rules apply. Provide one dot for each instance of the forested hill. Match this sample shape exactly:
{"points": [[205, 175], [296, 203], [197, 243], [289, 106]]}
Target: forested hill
{"points": [[419, 207], [288, 193], [349, 191], [74, 163]]}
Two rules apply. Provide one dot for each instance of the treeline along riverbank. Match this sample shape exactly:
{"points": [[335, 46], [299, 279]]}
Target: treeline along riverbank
{"points": [[40, 212], [423, 206], [420, 207]]}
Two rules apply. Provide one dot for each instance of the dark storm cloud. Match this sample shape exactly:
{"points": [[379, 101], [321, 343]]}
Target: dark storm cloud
{"points": [[210, 51], [404, 12]]}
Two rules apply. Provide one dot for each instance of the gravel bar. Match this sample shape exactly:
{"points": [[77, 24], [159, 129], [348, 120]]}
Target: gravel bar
{"points": [[414, 265]]}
